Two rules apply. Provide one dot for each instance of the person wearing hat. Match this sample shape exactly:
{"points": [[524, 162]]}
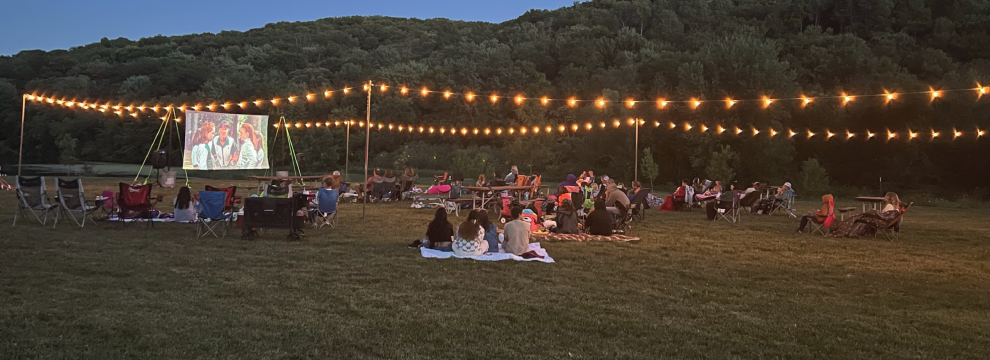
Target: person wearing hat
{"points": [[513, 175]]}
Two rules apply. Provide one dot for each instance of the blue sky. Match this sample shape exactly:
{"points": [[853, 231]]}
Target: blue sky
{"points": [[61, 24]]}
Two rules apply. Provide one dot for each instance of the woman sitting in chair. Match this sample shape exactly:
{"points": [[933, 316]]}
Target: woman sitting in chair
{"points": [[821, 215], [675, 201], [868, 223]]}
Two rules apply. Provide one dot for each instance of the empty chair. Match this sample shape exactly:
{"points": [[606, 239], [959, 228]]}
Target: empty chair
{"points": [[326, 208], [212, 216], [32, 199], [109, 206], [134, 203], [728, 210], [231, 197], [72, 202]]}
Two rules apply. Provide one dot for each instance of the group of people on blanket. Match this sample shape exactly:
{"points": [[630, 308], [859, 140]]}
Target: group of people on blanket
{"points": [[478, 235]]}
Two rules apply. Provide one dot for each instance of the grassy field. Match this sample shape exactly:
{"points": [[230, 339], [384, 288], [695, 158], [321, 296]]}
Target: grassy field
{"points": [[690, 289]]}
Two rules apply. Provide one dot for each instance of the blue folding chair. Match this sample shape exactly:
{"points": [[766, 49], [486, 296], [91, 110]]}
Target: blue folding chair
{"points": [[211, 215], [326, 211]]}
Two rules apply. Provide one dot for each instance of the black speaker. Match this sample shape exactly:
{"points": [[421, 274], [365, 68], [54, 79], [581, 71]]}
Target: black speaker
{"points": [[159, 158]]}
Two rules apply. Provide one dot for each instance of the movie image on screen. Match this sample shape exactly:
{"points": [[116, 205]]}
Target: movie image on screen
{"points": [[218, 141]]}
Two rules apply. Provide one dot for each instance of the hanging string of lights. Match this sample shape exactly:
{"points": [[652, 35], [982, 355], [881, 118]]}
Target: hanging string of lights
{"points": [[715, 129], [135, 109]]}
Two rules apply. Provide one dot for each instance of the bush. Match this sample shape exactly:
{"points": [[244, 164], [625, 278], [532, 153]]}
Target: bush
{"points": [[813, 179]]}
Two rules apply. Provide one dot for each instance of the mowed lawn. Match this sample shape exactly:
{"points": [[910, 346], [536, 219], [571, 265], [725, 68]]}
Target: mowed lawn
{"points": [[690, 289]]}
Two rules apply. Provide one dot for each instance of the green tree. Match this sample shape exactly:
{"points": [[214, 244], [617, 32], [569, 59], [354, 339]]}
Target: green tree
{"points": [[814, 178], [648, 167], [720, 165]]}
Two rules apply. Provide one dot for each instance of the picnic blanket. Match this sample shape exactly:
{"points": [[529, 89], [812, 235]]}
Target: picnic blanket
{"points": [[580, 237], [437, 254]]}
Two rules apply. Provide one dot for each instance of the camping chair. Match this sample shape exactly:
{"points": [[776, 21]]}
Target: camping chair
{"points": [[893, 229], [405, 187], [732, 213], [823, 227], [231, 197], [638, 204], [620, 223], [535, 181], [72, 202], [784, 204], [32, 199], [326, 210], [388, 190], [750, 200], [134, 203], [212, 214], [109, 205]]}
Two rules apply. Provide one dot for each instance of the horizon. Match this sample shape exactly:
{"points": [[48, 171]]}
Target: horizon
{"points": [[56, 18]]}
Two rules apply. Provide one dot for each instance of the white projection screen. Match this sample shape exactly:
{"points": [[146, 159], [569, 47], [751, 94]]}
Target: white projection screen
{"points": [[218, 141]]}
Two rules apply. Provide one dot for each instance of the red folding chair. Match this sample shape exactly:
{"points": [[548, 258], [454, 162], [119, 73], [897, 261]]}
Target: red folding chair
{"points": [[134, 203]]}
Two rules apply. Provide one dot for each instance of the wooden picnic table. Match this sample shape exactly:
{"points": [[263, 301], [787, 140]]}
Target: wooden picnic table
{"points": [[485, 199], [875, 202], [315, 178]]}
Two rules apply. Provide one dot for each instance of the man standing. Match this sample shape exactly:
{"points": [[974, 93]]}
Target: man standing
{"points": [[516, 234], [222, 148]]}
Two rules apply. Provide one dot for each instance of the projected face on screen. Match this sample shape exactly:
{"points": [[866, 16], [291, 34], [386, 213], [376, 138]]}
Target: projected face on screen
{"points": [[217, 141]]}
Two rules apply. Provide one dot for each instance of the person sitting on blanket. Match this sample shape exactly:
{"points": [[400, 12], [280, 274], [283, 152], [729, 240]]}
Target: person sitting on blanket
{"points": [[675, 201], [516, 234], [820, 216], [491, 231], [439, 233], [612, 195], [599, 221], [185, 206], [567, 219], [470, 240]]}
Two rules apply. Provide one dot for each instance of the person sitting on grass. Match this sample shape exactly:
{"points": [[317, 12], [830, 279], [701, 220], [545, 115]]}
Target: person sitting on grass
{"points": [[470, 240], [820, 216], [599, 221], [439, 233], [516, 234], [567, 219], [491, 231]]}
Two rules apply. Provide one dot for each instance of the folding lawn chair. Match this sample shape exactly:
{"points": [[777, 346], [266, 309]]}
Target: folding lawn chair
{"points": [[638, 204], [32, 199], [730, 214], [134, 203], [785, 204], [326, 211], [893, 229], [823, 227], [620, 223], [212, 215], [109, 205], [388, 190], [72, 202], [231, 197]]}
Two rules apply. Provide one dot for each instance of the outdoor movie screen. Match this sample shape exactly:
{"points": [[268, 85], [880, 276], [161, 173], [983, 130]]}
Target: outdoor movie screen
{"points": [[218, 141]]}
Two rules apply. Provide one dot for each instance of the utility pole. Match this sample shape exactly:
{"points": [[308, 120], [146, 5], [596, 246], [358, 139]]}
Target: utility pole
{"points": [[636, 157], [367, 148], [20, 153]]}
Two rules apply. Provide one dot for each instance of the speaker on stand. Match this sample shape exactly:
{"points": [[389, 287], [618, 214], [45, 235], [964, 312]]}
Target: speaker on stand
{"points": [[159, 159]]}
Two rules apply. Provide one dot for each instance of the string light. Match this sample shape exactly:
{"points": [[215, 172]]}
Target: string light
{"points": [[494, 99], [890, 97], [447, 94], [729, 103], [630, 103], [828, 134], [956, 134], [891, 135], [936, 94], [661, 103], [425, 92], [384, 88], [849, 135], [935, 134], [870, 135], [346, 90], [738, 131], [766, 102], [601, 103], [846, 99], [811, 134], [327, 94], [519, 99], [544, 101], [695, 103], [469, 97], [572, 102], [404, 90]]}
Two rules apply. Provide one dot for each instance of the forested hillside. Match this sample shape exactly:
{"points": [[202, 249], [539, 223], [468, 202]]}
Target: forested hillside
{"points": [[711, 49]]}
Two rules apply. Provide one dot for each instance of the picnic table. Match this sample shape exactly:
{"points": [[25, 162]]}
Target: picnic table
{"points": [[315, 178], [495, 190], [875, 202]]}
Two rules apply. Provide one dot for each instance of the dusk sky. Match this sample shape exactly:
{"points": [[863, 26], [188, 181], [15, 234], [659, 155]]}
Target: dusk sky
{"points": [[61, 24]]}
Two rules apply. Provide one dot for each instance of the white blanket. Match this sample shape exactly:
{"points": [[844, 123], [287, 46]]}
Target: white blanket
{"points": [[437, 254]]}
